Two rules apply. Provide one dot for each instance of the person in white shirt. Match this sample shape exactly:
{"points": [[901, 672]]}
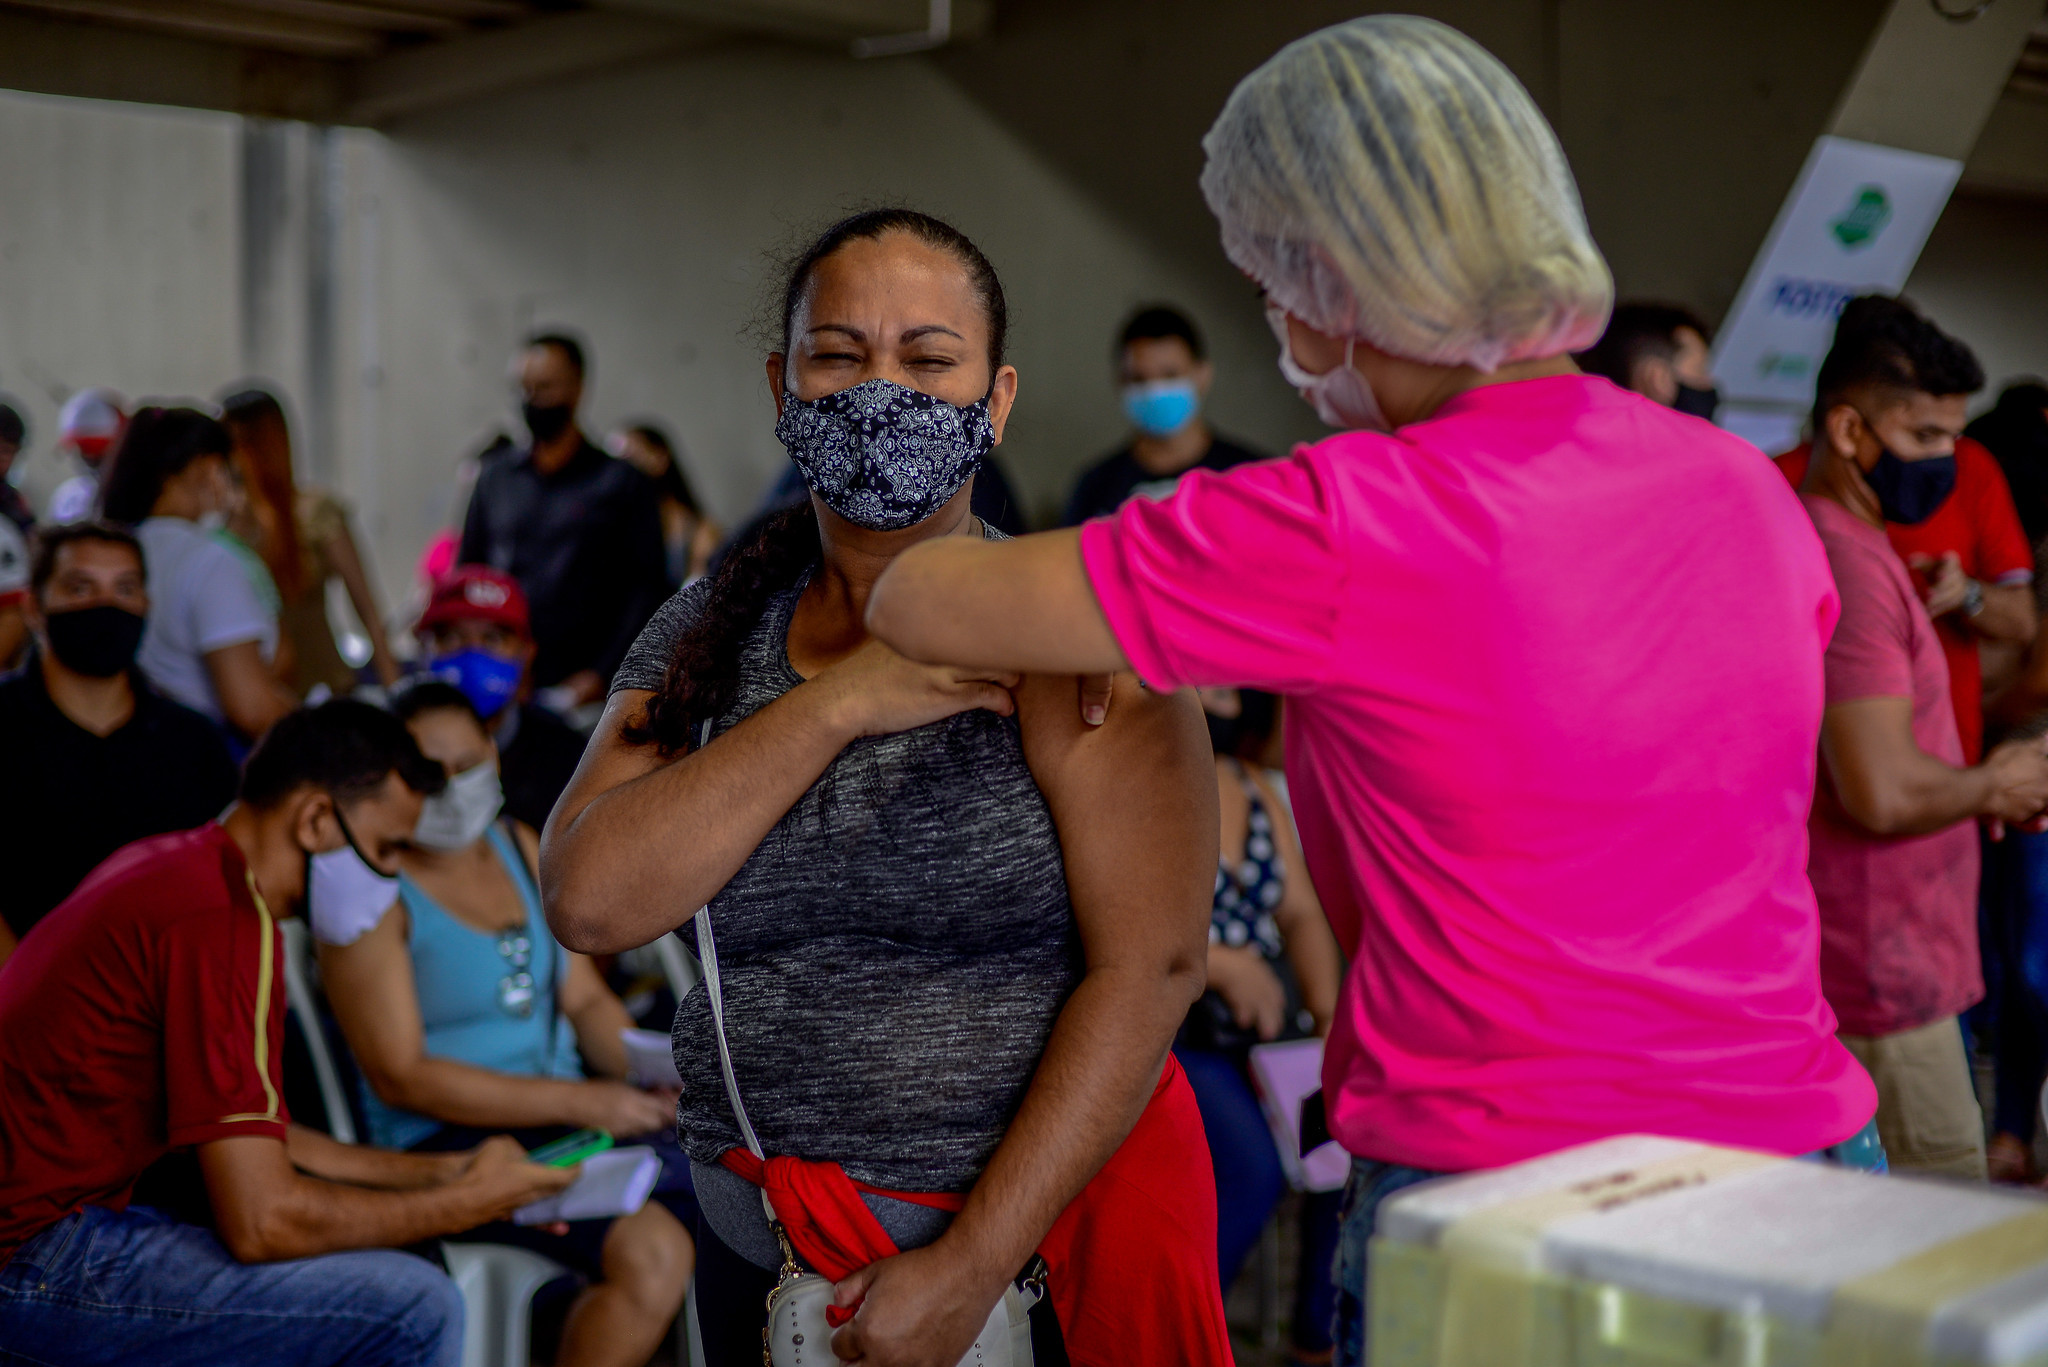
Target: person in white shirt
{"points": [[210, 637]]}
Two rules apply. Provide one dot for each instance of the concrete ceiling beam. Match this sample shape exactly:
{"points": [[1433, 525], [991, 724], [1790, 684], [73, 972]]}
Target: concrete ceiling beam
{"points": [[1927, 82], [48, 55], [813, 20], [572, 44]]}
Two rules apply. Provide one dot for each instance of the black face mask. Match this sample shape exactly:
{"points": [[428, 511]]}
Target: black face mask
{"points": [[1910, 491], [98, 642], [546, 421], [1699, 403]]}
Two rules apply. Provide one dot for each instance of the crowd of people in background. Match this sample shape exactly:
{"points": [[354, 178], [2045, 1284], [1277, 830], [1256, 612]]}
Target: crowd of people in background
{"points": [[200, 746], [180, 611], [173, 607]]}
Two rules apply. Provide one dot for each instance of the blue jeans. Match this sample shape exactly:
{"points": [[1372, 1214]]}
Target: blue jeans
{"points": [[1249, 1184], [1372, 1182], [106, 1286]]}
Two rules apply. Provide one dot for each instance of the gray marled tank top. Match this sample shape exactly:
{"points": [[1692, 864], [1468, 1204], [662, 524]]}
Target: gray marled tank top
{"points": [[894, 952]]}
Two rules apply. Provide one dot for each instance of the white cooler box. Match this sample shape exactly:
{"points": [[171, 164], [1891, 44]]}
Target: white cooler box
{"points": [[1648, 1252]]}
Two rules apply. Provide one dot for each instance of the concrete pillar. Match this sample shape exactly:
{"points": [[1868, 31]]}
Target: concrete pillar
{"points": [[1927, 82]]}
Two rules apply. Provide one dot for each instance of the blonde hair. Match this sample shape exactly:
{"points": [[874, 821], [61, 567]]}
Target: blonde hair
{"points": [[1389, 179]]}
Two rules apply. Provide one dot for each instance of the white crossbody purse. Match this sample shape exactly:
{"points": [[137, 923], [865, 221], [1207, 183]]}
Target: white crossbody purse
{"points": [[798, 1334]]}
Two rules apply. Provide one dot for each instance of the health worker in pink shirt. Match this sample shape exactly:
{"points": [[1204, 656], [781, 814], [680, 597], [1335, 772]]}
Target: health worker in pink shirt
{"points": [[1553, 652]]}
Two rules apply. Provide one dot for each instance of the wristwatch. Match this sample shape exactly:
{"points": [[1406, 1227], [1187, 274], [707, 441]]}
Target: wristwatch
{"points": [[1973, 598]]}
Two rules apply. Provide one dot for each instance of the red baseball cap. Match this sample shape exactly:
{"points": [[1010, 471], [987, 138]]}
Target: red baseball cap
{"points": [[477, 593]]}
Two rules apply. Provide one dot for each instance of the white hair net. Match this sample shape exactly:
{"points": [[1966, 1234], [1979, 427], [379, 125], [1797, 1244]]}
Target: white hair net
{"points": [[1388, 179]]}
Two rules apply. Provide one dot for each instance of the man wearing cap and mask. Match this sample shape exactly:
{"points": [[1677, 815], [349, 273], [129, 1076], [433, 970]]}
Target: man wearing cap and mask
{"points": [[581, 532], [475, 635], [1164, 375], [88, 425], [1565, 861], [96, 757]]}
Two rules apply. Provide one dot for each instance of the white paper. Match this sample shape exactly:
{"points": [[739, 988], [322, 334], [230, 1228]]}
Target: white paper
{"points": [[1854, 224], [1285, 1075], [650, 1059], [613, 1183]]}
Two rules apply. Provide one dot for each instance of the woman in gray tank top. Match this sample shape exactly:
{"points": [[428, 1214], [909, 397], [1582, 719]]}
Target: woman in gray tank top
{"points": [[956, 927]]}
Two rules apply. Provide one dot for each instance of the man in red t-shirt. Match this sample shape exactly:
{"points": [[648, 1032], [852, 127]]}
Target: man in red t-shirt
{"points": [[1971, 562], [1893, 852], [146, 1014]]}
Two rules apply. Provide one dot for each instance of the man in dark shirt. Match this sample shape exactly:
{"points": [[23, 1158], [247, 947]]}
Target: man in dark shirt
{"points": [[95, 757], [474, 635], [1165, 376], [580, 531]]}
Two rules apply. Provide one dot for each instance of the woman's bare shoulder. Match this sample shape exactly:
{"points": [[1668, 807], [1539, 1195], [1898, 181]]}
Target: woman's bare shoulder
{"points": [[1144, 726]]}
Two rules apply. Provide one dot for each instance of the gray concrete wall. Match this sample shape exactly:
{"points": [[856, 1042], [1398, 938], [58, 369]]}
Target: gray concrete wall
{"points": [[642, 208], [645, 209], [1984, 277], [118, 257]]}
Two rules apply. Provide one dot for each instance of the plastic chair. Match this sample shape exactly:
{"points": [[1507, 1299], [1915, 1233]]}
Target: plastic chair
{"points": [[678, 965], [497, 1281], [498, 1284]]}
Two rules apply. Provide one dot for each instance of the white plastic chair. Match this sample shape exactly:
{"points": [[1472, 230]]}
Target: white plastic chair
{"points": [[678, 965], [497, 1281]]}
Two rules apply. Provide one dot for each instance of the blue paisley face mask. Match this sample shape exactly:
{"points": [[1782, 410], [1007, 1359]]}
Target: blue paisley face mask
{"points": [[882, 456]]}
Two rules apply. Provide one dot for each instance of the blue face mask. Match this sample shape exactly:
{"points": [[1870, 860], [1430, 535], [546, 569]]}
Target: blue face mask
{"points": [[488, 681], [1160, 408]]}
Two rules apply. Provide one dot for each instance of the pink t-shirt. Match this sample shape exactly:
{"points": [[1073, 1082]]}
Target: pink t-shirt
{"points": [[1898, 917], [1553, 667]]}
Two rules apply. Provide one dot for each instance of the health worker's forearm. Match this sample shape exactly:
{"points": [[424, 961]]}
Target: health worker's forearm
{"points": [[1023, 605]]}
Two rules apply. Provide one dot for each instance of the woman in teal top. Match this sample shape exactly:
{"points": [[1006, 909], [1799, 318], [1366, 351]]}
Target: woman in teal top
{"points": [[494, 996], [467, 1019]]}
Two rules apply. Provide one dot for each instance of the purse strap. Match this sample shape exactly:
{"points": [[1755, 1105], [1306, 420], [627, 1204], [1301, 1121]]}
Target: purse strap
{"points": [[707, 954], [714, 986]]}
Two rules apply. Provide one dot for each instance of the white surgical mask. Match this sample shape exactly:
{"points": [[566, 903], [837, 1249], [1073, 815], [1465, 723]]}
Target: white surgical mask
{"points": [[1340, 395], [457, 817], [345, 897]]}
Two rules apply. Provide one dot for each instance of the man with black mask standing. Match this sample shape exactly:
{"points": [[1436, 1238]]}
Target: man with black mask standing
{"points": [[581, 532], [1661, 352], [1893, 843], [1946, 508], [96, 759]]}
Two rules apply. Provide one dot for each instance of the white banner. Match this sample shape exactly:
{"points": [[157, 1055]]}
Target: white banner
{"points": [[1854, 224]]}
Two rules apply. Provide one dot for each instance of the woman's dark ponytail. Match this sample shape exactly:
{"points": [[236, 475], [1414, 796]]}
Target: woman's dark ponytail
{"points": [[703, 674]]}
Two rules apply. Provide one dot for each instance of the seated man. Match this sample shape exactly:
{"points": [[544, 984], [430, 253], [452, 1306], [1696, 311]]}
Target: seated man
{"points": [[476, 634], [145, 1014], [98, 758]]}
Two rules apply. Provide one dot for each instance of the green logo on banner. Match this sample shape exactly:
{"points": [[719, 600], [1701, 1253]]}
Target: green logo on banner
{"points": [[1865, 219]]}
